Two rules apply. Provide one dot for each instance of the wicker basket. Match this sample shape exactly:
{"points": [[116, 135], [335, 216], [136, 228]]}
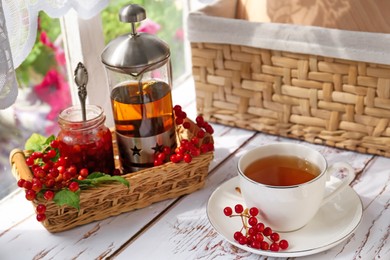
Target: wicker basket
{"points": [[146, 187], [331, 101]]}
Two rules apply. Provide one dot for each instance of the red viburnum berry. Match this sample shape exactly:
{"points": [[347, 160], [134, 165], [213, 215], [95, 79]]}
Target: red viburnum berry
{"points": [[73, 186]]}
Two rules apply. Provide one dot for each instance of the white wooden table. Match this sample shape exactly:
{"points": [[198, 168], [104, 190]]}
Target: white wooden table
{"points": [[179, 228]]}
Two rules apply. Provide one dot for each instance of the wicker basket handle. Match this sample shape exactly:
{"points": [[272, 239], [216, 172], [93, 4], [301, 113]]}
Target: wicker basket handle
{"points": [[20, 170]]}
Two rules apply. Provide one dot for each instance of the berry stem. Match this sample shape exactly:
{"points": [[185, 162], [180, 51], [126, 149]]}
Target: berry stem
{"points": [[255, 231], [244, 223]]}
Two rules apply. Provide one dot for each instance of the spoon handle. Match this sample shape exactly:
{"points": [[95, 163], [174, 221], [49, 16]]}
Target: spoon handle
{"points": [[81, 80], [83, 96]]}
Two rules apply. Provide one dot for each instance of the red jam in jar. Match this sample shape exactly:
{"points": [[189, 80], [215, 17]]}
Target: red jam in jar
{"points": [[87, 144]]}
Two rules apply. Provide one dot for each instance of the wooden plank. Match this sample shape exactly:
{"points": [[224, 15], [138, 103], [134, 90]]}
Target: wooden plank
{"points": [[102, 238], [179, 229], [184, 232]]}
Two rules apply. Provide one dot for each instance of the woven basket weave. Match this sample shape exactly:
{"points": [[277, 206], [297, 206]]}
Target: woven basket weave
{"points": [[322, 100], [168, 181]]}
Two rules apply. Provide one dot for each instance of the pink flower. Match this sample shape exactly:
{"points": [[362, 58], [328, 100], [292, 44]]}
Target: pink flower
{"points": [[156, 74], [60, 56], [53, 90], [149, 26], [45, 40], [179, 35]]}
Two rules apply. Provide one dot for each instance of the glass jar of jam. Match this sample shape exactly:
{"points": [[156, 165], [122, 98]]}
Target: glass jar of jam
{"points": [[87, 144]]}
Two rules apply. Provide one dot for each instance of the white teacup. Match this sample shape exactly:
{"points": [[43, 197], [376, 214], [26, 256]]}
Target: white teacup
{"points": [[288, 208]]}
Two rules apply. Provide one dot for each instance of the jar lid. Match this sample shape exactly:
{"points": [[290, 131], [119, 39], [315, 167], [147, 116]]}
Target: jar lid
{"points": [[134, 53]]}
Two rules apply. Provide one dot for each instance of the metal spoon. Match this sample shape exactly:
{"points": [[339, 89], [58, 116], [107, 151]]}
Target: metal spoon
{"points": [[81, 79]]}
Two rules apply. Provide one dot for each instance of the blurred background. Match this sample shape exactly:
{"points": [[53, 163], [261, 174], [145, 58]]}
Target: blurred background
{"points": [[44, 89]]}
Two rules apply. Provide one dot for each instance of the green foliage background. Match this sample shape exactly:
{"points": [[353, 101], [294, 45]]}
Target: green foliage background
{"points": [[167, 13], [41, 58]]}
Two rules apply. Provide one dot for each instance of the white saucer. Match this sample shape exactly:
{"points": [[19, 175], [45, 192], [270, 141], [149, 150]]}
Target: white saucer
{"points": [[333, 223]]}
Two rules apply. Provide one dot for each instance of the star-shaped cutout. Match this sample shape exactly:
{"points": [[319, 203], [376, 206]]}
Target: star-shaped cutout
{"points": [[158, 148], [136, 151]]}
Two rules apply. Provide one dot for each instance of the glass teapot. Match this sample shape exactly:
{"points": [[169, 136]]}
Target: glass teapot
{"points": [[138, 67]]}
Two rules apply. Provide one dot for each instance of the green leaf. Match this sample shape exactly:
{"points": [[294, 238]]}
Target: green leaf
{"points": [[46, 145], [95, 175], [67, 197], [121, 180], [97, 178], [35, 142], [49, 139], [38, 142]]}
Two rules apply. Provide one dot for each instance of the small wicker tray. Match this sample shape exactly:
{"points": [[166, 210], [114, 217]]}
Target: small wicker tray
{"points": [[146, 187]]}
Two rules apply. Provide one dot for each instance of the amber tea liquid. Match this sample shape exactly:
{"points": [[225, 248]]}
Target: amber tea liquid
{"points": [[281, 170], [143, 121]]}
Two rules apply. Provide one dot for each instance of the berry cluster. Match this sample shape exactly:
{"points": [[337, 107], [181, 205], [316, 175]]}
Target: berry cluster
{"points": [[88, 149], [255, 232], [187, 149], [51, 172]]}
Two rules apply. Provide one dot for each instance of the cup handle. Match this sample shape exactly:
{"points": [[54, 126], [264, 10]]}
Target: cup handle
{"points": [[345, 180]]}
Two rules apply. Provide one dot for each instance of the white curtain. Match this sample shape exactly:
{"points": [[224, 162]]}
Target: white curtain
{"points": [[18, 28]]}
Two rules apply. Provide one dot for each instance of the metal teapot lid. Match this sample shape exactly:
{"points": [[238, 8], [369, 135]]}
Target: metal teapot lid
{"points": [[134, 53]]}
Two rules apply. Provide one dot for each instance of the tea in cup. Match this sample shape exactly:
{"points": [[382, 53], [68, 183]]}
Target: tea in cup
{"points": [[287, 182]]}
